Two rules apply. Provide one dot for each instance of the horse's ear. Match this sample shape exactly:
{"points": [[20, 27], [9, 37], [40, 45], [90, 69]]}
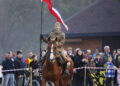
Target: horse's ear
{"points": [[49, 39]]}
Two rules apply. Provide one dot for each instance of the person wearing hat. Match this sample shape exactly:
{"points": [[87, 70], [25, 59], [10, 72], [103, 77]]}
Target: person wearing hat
{"points": [[19, 64], [60, 36]]}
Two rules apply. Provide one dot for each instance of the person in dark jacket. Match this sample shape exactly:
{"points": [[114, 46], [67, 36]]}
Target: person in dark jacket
{"points": [[117, 63], [106, 54], [90, 71], [34, 64], [70, 53], [117, 60], [79, 61], [99, 61], [19, 64], [8, 64]]}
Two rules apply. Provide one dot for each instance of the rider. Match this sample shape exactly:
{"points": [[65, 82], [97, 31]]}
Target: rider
{"points": [[57, 33]]}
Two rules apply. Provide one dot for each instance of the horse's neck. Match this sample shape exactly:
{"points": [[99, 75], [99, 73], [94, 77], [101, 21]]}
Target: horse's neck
{"points": [[51, 56]]}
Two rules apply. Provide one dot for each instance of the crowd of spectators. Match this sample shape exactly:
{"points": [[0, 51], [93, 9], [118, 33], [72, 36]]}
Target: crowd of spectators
{"points": [[108, 60], [82, 58], [17, 61]]}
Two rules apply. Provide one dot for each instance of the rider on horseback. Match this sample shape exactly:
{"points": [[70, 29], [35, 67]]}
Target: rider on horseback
{"points": [[57, 33]]}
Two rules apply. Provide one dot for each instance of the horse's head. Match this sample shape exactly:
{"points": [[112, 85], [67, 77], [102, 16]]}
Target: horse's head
{"points": [[52, 49]]}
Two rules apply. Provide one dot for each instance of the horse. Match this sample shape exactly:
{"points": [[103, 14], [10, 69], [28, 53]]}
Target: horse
{"points": [[52, 70]]}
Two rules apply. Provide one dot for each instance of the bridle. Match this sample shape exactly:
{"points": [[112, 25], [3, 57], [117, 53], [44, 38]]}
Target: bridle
{"points": [[52, 56]]}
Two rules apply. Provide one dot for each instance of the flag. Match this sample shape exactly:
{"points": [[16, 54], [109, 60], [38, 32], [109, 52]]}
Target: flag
{"points": [[55, 13]]}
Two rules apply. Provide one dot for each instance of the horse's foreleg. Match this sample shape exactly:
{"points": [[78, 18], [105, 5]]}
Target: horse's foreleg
{"points": [[56, 83], [61, 82], [43, 82]]}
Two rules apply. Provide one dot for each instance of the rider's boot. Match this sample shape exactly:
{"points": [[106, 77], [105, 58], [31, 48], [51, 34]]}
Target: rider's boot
{"points": [[65, 71]]}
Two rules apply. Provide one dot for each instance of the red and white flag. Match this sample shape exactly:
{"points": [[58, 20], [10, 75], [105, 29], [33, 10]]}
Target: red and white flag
{"points": [[55, 13]]}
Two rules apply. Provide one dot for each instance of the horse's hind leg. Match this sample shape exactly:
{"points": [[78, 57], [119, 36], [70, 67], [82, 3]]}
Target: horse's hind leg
{"points": [[43, 82], [56, 83]]}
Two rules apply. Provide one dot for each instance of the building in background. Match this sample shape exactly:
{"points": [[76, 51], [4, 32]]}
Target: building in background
{"points": [[96, 26]]}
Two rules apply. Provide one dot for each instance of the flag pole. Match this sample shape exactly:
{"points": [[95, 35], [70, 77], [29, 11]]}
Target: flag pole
{"points": [[41, 28]]}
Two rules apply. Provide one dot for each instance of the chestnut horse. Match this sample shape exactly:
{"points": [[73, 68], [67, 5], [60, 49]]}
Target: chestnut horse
{"points": [[52, 71]]}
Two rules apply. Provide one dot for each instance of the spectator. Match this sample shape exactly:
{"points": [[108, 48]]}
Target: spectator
{"points": [[8, 64], [114, 54], [90, 71], [91, 63], [19, 64], [117, 61], [98, 61], [89, 53], [75, 51], [95, 53], [14, 55], [106, 53], [70, 53], [29, 59], [74, 76], [86, 53], [43, 53], [34, 64], [118, 76], [42, 57], [30, 54], [110, 72], [79, 61]]}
